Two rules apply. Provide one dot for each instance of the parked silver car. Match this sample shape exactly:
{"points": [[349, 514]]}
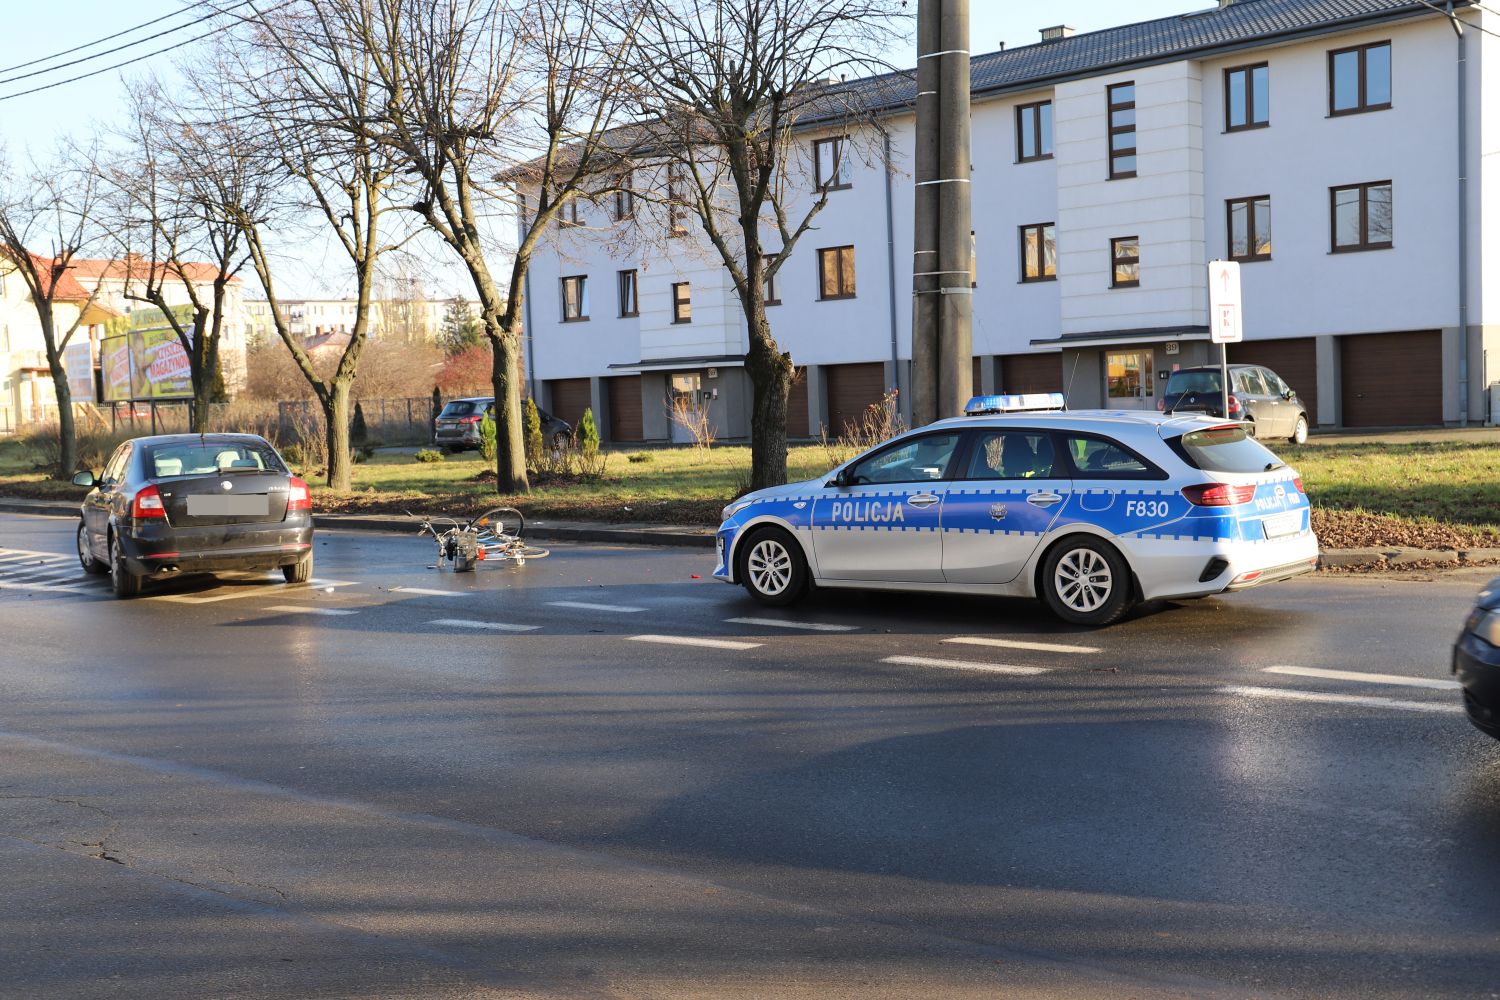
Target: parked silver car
{"points": [[457, 426]]}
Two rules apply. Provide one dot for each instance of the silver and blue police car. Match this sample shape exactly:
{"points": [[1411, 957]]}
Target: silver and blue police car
{"points": [[1091, 512]]}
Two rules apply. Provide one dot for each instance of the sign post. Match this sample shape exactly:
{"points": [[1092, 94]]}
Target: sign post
{"points": [[1224, 316]]}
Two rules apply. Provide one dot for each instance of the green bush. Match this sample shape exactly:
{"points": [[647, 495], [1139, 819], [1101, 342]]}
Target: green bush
{"points": [[430, 455], [588, 435], [487, 438], [641, 457], [534, 444]]}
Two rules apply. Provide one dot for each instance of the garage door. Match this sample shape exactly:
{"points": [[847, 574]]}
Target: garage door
{"points": [[1031, 373], [625, 423], [1392, 379], [796, 406], [570, 397], [1294, 359], [852, 389]]}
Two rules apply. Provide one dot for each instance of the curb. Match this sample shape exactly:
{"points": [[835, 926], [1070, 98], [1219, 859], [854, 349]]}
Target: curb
{"points": [[653, 534]]}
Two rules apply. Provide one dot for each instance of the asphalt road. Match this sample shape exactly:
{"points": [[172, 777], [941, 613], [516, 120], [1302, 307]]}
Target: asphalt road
{"points": [[596, 776]]}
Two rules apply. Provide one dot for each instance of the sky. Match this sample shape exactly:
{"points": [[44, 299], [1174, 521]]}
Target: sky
{"points": [[37, 122]]}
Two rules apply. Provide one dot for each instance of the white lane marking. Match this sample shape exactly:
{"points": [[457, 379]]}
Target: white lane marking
{"points": [[991, 668], [426, 592], [806, 626], [494, 626], [253, 590], [1435, 683], [42, 574], [307, 609], [46, 588], [683, 640], [1369, 701], [623, 609], [1041, 647], [23, 553]]}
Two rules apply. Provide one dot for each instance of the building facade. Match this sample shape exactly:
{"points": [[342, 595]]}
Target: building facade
{"points": [[1327, 145]]}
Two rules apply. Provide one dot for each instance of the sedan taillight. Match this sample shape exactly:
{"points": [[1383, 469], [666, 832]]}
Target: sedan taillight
{"points": [[1218, 495], [147, 504], [298, 496]]}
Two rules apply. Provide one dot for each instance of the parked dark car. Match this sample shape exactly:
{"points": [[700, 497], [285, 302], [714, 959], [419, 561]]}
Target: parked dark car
{"points": [[457, 426], [194, 503], [1476, 660], [1257, 395]]}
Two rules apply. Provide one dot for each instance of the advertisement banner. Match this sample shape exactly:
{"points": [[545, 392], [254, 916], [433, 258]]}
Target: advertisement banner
{"points": [[78, 362], [145, 365]]}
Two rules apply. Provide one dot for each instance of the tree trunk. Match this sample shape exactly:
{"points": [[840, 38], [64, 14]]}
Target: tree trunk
{"points": [[510, 441], [67, 434], [336, 413], [771, 375]]}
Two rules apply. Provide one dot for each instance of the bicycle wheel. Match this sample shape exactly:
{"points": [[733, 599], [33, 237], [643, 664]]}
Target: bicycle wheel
{"points": [[532, 552], [501, 521]]}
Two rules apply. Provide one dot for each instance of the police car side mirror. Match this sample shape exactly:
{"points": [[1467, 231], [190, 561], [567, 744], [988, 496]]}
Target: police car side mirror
{"points": [[840, 479]]}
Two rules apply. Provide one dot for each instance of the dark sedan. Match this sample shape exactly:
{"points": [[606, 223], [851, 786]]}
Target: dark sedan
{"points": [[1476, 660], [194, 503]]}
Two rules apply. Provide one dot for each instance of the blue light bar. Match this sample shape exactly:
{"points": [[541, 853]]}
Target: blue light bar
{"points": [[1015, 403]]}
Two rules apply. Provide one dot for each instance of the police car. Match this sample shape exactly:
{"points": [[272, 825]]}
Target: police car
{"points": [[1089, 511]]}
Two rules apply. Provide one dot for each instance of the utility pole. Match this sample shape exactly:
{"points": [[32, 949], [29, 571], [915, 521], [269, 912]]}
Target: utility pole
{"points": [[955, 220], [942, 300], [924, 299]]}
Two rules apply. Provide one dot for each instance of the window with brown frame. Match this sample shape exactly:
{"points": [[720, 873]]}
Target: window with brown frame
{"points": [[1039, 252], [676, 200], [1034, 132], [630, 296], [567, 214], [836, 273], [773, 294], [1359, 79], [1249, 225], [831, 164], [682, 302], [624, 200], [1247, 97], [1361, 217], [575, 298], [1121, 130], [1125, 261]]}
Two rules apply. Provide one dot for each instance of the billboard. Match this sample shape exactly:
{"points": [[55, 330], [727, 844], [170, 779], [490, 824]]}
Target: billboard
{"points": [[145, 365]]}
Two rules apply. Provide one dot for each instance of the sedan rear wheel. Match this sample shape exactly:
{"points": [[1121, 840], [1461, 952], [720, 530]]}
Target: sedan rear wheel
{"points": [[773, 569], [91, 566], [124, 582], [299, 571], [1086, 582]]}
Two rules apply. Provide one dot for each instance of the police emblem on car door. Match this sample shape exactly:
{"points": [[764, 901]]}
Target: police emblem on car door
{"points": [[1002, 501], [882, 520]]}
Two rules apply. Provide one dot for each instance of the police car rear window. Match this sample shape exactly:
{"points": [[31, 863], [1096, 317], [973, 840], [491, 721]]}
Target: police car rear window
{"points": [[1224, 449]]}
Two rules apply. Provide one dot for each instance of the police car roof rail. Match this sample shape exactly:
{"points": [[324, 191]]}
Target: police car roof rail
{"points": [[1015, 403]]}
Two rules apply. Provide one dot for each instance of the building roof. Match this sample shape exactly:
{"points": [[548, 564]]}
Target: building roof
{"points": [[137, 268], [1197, 34]]}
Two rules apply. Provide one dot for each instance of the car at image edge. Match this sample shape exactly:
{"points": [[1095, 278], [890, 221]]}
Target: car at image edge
{"points": [[194, 503], [1476, 661], [1090, 511]]}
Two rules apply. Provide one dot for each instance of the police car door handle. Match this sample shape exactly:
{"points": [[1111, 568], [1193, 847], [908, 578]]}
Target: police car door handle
{"points": [[1043, 499], [922, 500]]}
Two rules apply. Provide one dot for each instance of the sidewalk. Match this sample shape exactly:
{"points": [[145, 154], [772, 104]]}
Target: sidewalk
{"points": [[698, 537]]}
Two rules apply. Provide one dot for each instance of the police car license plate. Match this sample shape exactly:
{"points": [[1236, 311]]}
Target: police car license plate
{"points": [[1281, 525]]}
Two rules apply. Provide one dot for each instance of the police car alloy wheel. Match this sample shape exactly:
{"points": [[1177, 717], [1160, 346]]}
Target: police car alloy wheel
{"points": [[1086, 582], [772, 568]]}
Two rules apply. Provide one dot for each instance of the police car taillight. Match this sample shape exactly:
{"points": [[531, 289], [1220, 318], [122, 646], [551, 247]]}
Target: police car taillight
{"points": [[1218, 495], [1297, 482]]}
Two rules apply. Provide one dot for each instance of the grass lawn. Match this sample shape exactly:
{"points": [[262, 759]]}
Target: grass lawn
{"points": [[1426, 493]]}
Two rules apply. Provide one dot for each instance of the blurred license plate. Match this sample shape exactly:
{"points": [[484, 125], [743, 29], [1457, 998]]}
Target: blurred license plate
{"points": [[1282, 525], [214, 506]]}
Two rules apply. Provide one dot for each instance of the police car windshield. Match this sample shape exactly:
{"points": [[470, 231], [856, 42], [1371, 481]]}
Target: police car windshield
{"points": [[1225, 449]]}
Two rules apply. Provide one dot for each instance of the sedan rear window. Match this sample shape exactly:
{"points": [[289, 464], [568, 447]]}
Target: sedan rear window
{"points": [[1225, 449], [1192, 382], [207, 458]]}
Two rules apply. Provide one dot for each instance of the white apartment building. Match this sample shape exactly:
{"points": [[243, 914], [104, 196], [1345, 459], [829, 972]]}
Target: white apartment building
{"points": [[1326, 144], [392, 319]]}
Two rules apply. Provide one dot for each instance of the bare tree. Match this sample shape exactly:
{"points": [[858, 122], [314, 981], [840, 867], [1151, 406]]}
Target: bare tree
{"points": [[306, 81], [52, 207], [179, 188], [734, 84], [475, 90]]}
